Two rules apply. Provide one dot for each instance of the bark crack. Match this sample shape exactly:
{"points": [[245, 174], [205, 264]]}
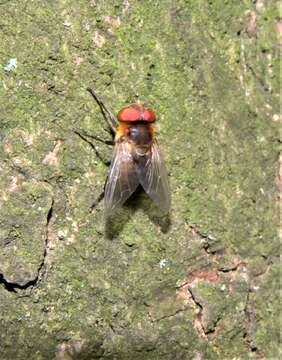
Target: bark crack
{"points": [[195, 230], [249, 320], [213, 275], [176, 312], [41, 272], [248, 327], [199, 326]]}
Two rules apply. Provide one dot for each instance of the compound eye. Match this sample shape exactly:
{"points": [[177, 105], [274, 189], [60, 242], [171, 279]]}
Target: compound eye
{"points": [[149, 115], [129, 114]]}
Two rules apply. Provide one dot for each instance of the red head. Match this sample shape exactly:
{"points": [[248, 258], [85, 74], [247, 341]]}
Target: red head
{"points": [[136, 112]]}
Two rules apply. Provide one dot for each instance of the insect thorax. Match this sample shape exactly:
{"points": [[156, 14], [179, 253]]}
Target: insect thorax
{"points": [[140, 133]]}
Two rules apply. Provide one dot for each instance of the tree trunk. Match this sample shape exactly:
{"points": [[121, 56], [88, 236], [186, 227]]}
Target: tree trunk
{"points": [[202, 283]]}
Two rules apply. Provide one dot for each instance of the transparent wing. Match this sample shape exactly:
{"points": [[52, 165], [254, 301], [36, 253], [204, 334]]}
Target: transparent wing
{"points": [[153, 177], [122, 179]]}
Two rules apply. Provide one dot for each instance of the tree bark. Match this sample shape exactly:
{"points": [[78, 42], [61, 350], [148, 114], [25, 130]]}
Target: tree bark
{"points": [[201, 284]]}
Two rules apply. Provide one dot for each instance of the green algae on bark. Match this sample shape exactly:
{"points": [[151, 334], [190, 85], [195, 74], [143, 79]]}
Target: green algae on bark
{"points": [[197, 287]]}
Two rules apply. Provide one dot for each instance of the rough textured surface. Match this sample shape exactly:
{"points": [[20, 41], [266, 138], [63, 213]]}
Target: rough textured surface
{"points": [[203, 286]]}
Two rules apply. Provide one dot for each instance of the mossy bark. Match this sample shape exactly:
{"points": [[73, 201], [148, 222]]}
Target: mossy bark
{"points": [[203, 285]]}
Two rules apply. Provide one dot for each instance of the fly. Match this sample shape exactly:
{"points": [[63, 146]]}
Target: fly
{"points": [[137, 159]]}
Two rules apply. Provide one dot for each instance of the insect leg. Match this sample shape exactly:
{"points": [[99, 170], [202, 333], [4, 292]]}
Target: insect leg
{"points": [[93, 146], [97, 201], [81, 132], [108, 115]]}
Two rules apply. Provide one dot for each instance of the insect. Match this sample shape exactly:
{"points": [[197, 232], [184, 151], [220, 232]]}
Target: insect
{"points": [[137, 159]]}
